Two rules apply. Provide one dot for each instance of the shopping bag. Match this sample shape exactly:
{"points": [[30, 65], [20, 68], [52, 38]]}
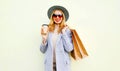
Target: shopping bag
{"points": [[79, 50]]}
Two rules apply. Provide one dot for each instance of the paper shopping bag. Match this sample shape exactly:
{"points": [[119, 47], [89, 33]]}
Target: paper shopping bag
{"points": [[79, 50]]}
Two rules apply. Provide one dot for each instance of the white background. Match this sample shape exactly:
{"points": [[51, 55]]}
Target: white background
{"points": [[96, 21]]}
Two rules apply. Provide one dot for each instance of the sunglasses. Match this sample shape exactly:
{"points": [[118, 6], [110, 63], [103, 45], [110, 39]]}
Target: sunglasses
{"points": [[57, 15]]}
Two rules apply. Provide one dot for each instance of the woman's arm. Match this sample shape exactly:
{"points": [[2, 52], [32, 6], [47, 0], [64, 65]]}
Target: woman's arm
{"points": [[67, 40], [43, 47], [44, 44]]}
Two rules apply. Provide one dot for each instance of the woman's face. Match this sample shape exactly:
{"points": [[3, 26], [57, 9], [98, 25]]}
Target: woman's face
{"points": [[57, 16]]}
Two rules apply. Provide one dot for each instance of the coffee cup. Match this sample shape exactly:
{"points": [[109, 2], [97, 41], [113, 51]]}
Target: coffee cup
{"points": [[44, 29]]}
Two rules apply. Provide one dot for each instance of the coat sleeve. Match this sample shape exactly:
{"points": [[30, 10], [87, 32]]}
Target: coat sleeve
{"points": [[67, 40], [43, 47]]}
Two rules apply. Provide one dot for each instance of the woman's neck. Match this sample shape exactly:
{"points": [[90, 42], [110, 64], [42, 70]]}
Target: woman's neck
{"points": [[56, 25]]}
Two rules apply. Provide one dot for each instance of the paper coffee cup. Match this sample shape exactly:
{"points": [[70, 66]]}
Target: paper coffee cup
{"points": [[44, 29]]}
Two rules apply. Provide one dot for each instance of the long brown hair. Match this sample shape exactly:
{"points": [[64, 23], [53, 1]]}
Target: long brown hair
{"points": [[52, 24]]}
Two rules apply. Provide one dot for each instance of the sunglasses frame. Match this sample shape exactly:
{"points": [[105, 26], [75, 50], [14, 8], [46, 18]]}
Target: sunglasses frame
{"points": [[57, 15]]}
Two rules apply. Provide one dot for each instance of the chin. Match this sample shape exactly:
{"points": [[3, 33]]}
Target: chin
{"points": [[58, 22]]}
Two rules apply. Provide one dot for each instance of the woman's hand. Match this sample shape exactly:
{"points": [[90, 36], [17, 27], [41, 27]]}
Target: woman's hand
{"points": [[44, 34], [64, 29]]}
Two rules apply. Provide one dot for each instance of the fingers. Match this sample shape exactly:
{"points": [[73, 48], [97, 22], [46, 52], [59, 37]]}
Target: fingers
{"points": [[65, 27], [41, 30], [44, 30]]}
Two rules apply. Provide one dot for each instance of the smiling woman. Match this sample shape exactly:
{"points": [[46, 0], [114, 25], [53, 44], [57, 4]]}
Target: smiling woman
{"points": [[57, 43], [57, 16]]}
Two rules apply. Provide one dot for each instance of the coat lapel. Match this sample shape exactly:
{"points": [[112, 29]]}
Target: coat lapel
{"points": [[59, 37], [50, 37]]}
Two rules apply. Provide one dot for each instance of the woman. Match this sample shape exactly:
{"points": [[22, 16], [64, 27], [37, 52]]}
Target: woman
{"points": [[57, 44]]}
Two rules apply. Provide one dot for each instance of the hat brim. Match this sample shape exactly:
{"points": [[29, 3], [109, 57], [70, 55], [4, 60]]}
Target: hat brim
{"points": [[64, 10]]}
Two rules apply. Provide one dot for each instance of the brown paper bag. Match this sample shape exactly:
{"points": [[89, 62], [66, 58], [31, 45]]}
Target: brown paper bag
{"points": [[79, 50]]}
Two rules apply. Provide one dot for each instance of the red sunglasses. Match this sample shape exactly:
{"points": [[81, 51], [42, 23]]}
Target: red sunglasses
{"points": [[57, 15]]}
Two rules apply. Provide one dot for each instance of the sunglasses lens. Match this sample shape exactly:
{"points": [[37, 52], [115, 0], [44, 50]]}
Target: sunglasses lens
{"points": [[59, 15]]}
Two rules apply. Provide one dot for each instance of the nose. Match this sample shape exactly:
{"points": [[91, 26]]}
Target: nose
{"points": [[57, 16]]}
